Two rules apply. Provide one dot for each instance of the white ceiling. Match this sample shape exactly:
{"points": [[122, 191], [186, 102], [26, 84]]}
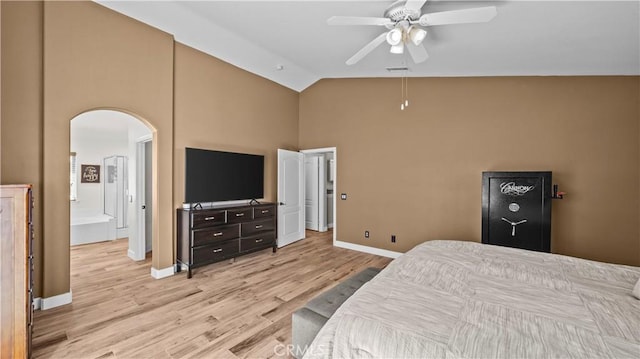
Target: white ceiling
{"points": [[526, 38], [108, 123]]}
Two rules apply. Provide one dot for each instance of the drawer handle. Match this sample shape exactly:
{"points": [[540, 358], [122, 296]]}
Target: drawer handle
{"points": [[217, 234], [209, 218], [239, 214], [265, 211], [258, 226], [258, 240], [218, 250]]}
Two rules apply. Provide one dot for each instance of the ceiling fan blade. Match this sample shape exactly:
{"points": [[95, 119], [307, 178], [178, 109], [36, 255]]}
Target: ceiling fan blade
{"points": [[479, 14], [358, 20], [418, 53], [414, 4], [367, 49]]}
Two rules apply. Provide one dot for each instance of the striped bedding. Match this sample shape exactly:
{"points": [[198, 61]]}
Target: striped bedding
{"points": [[454, 299]]}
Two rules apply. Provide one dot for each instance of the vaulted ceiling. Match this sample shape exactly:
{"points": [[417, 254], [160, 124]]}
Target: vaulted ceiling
{"points": [[289, 42]]}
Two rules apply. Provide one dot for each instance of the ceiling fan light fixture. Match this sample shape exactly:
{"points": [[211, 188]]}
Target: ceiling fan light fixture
{"points": [[397, 49], [394, 37], [416, 35]]}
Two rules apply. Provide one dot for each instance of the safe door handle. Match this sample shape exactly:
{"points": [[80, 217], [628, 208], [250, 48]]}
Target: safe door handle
{"points": [[217, 250]]}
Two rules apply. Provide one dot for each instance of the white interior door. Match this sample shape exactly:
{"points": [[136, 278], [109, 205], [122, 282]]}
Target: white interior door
{"points": [[311, 179], [290, 197], [148, 196], [140, 236]]}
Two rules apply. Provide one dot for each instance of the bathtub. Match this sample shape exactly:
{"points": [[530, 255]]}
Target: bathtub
{"points": [[92, 228]]}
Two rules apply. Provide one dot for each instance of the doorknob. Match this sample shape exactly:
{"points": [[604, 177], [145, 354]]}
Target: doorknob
{"points": [[144, 206], [281, 203]]}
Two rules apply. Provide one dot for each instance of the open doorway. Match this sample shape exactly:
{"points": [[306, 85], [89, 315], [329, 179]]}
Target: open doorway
{"points": [[319, 188], [292, 198], [104, 178]]}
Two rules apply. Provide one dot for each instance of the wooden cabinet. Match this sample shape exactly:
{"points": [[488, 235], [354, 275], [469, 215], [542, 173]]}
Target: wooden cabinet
{"points": [[211, 235], [16, 271]]}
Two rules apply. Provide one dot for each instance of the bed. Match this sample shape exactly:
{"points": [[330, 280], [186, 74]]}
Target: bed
{"points": [[456, 299]]}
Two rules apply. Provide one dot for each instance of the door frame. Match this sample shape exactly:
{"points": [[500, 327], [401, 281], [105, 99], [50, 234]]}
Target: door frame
{"points": [[138, 252], [333, 150]]}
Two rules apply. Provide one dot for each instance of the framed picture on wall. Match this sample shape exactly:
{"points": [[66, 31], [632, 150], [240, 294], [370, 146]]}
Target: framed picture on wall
{"points": [[90, 174]]}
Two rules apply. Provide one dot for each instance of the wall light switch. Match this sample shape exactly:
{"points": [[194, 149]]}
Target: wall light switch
{"points": [[343, 196]]}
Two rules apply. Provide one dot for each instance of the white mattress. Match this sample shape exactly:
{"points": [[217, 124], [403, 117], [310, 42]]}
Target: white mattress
{"points": [[453, 299]]}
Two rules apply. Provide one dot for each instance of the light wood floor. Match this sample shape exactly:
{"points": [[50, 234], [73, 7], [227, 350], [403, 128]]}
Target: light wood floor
{"points": [[227, 310]]}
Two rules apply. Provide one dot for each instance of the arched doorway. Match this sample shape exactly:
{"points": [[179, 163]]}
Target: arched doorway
{"points": [[110, 180]]}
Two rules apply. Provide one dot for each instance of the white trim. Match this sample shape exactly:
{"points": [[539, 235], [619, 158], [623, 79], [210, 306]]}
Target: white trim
{"points": [[319, 150], [131, 254], [37, 303], [367, 249], [162, 273], [145, 138], [333, 150], [56, 301]]}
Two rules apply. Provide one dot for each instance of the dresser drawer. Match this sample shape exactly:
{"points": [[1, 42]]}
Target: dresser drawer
{"points": [[239, 215], [255, 227], [263, 211], [266, 240], [208, 218], [215, 234], [216, 252]]}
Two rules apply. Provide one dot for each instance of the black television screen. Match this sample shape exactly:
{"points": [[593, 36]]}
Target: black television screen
{"points": [[213, 176]]}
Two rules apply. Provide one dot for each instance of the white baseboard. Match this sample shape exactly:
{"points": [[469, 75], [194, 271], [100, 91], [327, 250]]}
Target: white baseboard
{"points": [[55, 301], [37, 303], [162, 273], [132, 255], [367, 249]]}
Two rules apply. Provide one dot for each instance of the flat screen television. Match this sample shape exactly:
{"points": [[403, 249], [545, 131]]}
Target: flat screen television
{"points": [[215, 176]]}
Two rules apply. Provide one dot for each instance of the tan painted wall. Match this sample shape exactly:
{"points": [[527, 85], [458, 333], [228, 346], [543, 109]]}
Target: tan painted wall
{"points": [[417, 173], [96, 58], [118, 63], [219, 106], [21, 108]]}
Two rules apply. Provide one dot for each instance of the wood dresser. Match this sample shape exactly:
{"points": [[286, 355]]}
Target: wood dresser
{"points": [[16, 271], [214, 234]]}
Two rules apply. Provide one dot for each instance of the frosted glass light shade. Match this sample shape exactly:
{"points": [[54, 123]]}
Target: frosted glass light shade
{"points": [[416, 35], [397, 49], [394, 37]]}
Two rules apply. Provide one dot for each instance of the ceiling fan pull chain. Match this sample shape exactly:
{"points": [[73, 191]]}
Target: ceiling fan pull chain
{"points": [[406, 92], [402, 93]]}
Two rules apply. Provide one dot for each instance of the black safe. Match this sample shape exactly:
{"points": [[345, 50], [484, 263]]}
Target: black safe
{"points": [[516, 209]]}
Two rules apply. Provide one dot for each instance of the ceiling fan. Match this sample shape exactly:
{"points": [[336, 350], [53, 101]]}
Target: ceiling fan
{"points": [[404, 21]]}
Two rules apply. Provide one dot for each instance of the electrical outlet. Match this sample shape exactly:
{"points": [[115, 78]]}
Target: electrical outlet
{"points": [[366, 234], [343, 196], [393, 238]]}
